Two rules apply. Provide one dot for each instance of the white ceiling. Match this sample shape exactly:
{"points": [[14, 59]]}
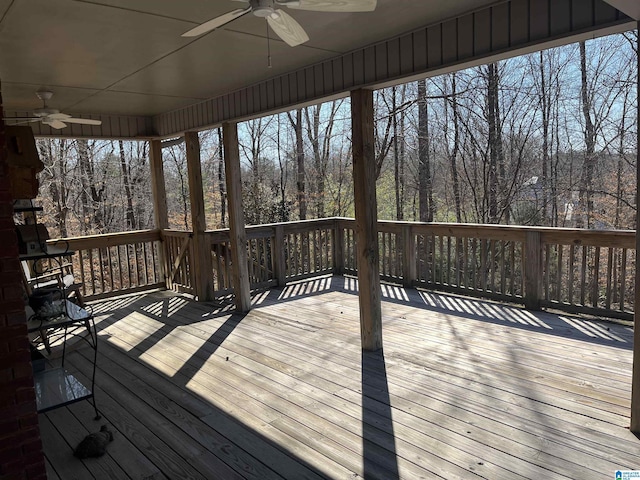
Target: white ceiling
{"points": [[126, 57]]}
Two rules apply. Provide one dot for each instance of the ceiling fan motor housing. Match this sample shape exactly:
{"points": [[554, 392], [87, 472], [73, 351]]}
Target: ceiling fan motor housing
{"points": [[45, 112], [44, 95], [262, 8]]}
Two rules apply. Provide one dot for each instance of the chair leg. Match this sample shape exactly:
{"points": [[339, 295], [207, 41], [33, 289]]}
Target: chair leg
{"points": [[45, 339]]}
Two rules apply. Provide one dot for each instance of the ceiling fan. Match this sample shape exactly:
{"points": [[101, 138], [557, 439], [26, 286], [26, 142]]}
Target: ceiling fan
{"points": [[51, 116], [281, 22]]}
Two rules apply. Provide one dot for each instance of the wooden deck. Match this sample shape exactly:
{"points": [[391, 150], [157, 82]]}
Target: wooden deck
{"points": [[466, 389]]}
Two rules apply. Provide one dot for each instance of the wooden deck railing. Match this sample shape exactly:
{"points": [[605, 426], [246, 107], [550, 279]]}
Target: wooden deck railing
{"points": [[574, 270], [118, 263]]}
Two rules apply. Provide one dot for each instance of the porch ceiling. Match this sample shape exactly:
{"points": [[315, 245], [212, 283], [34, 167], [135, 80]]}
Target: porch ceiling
{"points": [[126, 57], [125, 61]]}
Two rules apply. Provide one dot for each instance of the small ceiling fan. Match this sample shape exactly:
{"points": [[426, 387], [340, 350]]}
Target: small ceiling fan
{"points": [[51, 116], [281, 22]]}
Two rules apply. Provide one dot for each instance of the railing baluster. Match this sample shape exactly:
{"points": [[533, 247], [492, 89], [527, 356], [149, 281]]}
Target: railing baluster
{"points": [[493, 265], [474, 246], [383, 257], [572, 256], [609, 277], [547, 273], [82, 277], [146, 263], [583, 275], [136, 249], [483, 264], [297, 252], [101, 269], [465, 263], [440, 259], [512, 274], [314, 239], [503, 278], [91, 270], [623, 278], [558, 288], [448, 260], [595, 294], [154, 261], [324, 251], [288, 259], [110, 260]]}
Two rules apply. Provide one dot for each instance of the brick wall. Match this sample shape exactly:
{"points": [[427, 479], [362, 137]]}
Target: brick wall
{"points": [[21, 454]]}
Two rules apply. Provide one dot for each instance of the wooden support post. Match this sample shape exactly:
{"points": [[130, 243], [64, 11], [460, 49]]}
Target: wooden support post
{"points": [[158, 186], [201, 260], [279, 256], [532, 270], [237, 231], [159, 203], [366, 208], [408, 256], [635, 378]]}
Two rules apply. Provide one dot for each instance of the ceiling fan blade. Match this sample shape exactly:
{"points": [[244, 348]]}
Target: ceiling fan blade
{"points": [[21, 119], [216, 22], [332, 5], [83, 121], [56, 124], [287, 28], [57, 116]]}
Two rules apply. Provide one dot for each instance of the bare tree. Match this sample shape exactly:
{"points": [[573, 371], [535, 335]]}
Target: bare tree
{"points": [[300, 167], [130, 215], [425, 183]]}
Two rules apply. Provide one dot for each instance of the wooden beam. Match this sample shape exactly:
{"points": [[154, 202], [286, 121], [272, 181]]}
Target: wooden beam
{"points": [[364, 179], [237, 231], [201, 261], [408, 256], [635, 378], [159, 194], [158, 186]]}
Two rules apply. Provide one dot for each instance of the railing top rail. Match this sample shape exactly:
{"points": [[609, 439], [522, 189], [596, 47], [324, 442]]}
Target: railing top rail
{"points": [[520, 228], [177, 233], [550, 235], [108, 239]]}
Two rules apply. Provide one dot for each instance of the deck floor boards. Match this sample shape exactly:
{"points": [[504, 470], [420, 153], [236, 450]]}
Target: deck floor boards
{"points": [[466, 389]]}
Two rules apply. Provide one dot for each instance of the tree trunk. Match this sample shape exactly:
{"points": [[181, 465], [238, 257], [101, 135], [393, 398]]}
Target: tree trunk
{"points": [[403, 159], [588, 166], [313, 132], [494, 140], [130, 216], [57, 187], [545, 105], [456, 148], [221, 180], [396, 155], [91, 196], [424, 168], [300, 171]]}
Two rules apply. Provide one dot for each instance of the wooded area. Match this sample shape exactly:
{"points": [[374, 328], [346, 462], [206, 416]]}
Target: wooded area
{"points": [[544, 139]]}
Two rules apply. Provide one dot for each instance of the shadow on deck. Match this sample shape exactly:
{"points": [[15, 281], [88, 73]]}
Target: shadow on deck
{"points": [[465, 389]]}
